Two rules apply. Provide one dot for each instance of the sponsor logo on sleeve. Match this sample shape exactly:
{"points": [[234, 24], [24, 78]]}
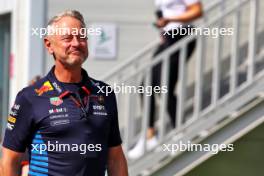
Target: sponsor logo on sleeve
{"points": [[11, 122], [16, 107], [13, 113], [14, 110], [11, 119], [10, 126]]}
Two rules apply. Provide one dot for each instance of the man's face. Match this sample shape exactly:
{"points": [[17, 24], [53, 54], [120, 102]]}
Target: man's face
{"points": [[69, 45]]}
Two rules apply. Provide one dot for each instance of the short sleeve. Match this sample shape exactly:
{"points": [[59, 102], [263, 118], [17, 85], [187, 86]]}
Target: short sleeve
{"points": [[158, 3], [114, 136], [190, 2], [19, 125]]}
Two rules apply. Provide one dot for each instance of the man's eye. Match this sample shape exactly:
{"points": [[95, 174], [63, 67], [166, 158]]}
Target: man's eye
{"points": [[66, 38], [82, 37]]}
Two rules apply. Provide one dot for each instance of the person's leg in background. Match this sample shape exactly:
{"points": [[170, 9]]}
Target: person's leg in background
{"points": [[152, 141], [156, 76], [173, 77], [172, 98], [173, 74]]}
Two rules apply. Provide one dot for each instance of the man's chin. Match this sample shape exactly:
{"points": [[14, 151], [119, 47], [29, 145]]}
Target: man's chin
{"points": [[75, 61]]}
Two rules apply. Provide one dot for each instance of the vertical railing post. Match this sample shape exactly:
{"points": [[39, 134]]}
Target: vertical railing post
{"points": [[145, 120], [181, 87], [198, 92], [235, 50], [217, 61], [128, 121], [252, 39], [164, 96]]}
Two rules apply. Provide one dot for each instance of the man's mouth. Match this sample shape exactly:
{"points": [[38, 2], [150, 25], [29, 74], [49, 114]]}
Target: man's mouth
{"points": [[76, 52]]}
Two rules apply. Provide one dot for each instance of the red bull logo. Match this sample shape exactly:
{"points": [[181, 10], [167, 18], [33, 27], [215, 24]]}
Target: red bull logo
{"points": [[44, 88]]}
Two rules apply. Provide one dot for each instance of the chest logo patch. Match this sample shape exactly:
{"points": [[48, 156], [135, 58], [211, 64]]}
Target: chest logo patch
{"points": [[56, 101], [99, 110], [57, 110], [44, 88]]}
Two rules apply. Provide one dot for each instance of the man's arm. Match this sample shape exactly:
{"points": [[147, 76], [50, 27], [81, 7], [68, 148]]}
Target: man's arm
{"points": [[193, 12], [10, 162], [117, 165]]}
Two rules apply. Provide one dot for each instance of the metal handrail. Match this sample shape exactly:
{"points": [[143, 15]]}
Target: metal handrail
{"points": [[148, 48]]}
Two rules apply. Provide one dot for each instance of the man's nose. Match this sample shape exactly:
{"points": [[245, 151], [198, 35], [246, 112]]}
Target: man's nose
{"points": [[75, 41]]}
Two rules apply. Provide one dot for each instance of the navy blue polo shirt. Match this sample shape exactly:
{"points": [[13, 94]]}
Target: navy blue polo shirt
{"points": [[68, 128]]}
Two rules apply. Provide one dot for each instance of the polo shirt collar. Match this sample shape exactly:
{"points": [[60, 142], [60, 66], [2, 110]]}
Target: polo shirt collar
{"points": [[58, 86]]}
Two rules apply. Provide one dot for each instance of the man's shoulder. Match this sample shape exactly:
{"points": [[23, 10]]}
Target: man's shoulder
{"points": [[102, 88], [32, 90], [98, 83]]}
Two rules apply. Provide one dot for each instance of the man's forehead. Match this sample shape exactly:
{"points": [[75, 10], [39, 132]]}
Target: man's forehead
{"points": [[67, 21], [66, 26]]}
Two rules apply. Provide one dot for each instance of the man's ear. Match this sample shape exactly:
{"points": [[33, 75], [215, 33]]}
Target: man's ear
{"points": [[47, 44]]}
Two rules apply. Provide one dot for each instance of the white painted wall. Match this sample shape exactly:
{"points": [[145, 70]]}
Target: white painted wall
{"points": [[6, 6], [27, 51]]}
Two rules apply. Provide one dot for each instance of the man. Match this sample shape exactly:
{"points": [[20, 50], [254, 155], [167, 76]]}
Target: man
{"points": [[69, 126]]}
